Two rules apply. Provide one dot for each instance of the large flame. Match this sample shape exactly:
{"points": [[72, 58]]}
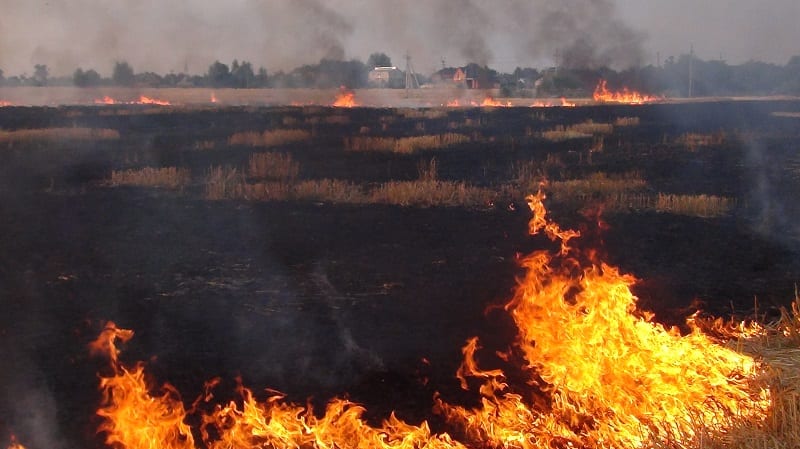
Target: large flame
{"points": [[609, 375], [5, 104], [345, 100], [586, 370], [133, 417], [602, 94], [136, 418]]}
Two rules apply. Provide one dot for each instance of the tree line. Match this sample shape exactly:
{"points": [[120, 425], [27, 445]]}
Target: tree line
{"points": [[677, 77]]}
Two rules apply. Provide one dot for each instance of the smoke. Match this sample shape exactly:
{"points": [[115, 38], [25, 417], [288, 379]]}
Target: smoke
{"points": [[280, 35]]}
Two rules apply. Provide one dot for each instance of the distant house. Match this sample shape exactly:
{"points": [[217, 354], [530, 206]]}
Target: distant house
{"points": [[452, 76], [386, 77]]}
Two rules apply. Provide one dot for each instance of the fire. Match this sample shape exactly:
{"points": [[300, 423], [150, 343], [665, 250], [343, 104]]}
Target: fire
{"points": [[142, 100], [602, 94], [213, 97], [563, 103], [453, 103], [147, 100], [491, 102], [589, 370], [135, 418], [5, 104], [105, 100], [601, 373], [345, 100], [14, 444]]}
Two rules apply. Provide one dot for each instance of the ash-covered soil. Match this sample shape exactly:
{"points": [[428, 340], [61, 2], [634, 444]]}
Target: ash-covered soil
{"points": [[320, 299]]}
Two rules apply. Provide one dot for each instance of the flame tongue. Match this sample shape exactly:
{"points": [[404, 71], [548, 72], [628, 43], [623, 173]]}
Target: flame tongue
{"points": [[602, 94], [615, 379]]}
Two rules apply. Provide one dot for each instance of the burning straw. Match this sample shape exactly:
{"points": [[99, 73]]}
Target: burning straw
{"points": [[595, 372]]}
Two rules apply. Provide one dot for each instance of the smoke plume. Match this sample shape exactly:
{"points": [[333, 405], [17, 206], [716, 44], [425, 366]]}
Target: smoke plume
{"points": [[280, 35]]}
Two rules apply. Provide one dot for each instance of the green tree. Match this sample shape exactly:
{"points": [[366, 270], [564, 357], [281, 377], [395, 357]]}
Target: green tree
{"points": [[88, 78], [242, 74], [378, 60], [219, 75], [123, 74], [40, 74]]}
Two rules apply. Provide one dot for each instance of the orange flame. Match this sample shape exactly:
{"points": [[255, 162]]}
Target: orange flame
{"points": [[147, 100], [5, 104], [563, 102], [134, 418], [613, 378], [213, 97], [142, 100], [14, 444], [105, 100], [345, 100], [491, 102], [453, 103], [602, 94], [599, 374]]}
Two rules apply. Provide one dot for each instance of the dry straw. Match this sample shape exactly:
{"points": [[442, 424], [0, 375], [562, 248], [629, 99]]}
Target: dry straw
{"points": [[162, 177], [269, 138]]}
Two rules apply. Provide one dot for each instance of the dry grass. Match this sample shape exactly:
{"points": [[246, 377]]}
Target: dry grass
{"points": [[432, 193], [224, 183], [323, 190], [405, 145], [704, 206], [626, 121], [596, 185], [161, 177], [269, 138], [205, 145], [694, 205], [694, 140], [274, 166], [430, 114], [21, 135], [777, 346], [428, 170], [577, 131]]}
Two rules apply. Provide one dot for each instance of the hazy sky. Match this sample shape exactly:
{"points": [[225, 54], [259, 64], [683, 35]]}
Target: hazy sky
{"points": [[168, 35]]}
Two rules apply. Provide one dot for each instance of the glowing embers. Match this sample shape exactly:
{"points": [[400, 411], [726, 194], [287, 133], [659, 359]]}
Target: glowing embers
{"points": [[599, 373], [602, 94], [345, 99], [106, 100]]}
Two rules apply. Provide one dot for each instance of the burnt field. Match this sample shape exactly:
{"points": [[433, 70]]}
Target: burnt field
{"points": [[322, 251]]}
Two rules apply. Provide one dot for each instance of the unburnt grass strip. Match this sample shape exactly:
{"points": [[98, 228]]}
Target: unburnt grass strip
{"points": [[275, 166], [161, 177], [577, 131], [269, 138], [404, 145], [23, 135]]}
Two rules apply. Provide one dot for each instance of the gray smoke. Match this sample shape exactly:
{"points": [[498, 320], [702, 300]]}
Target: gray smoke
{"points": [[283, 34]]}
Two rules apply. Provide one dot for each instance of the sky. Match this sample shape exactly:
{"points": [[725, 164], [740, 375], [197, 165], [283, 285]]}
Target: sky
{"points": [[170, 36]]}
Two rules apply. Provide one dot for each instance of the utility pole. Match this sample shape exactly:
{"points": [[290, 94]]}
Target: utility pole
{"points": [[557, 58], [411, 77], [658, 59], [691, 69]]}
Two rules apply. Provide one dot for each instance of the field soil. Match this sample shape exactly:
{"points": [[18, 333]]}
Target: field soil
{"points": [[321, 299]]}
